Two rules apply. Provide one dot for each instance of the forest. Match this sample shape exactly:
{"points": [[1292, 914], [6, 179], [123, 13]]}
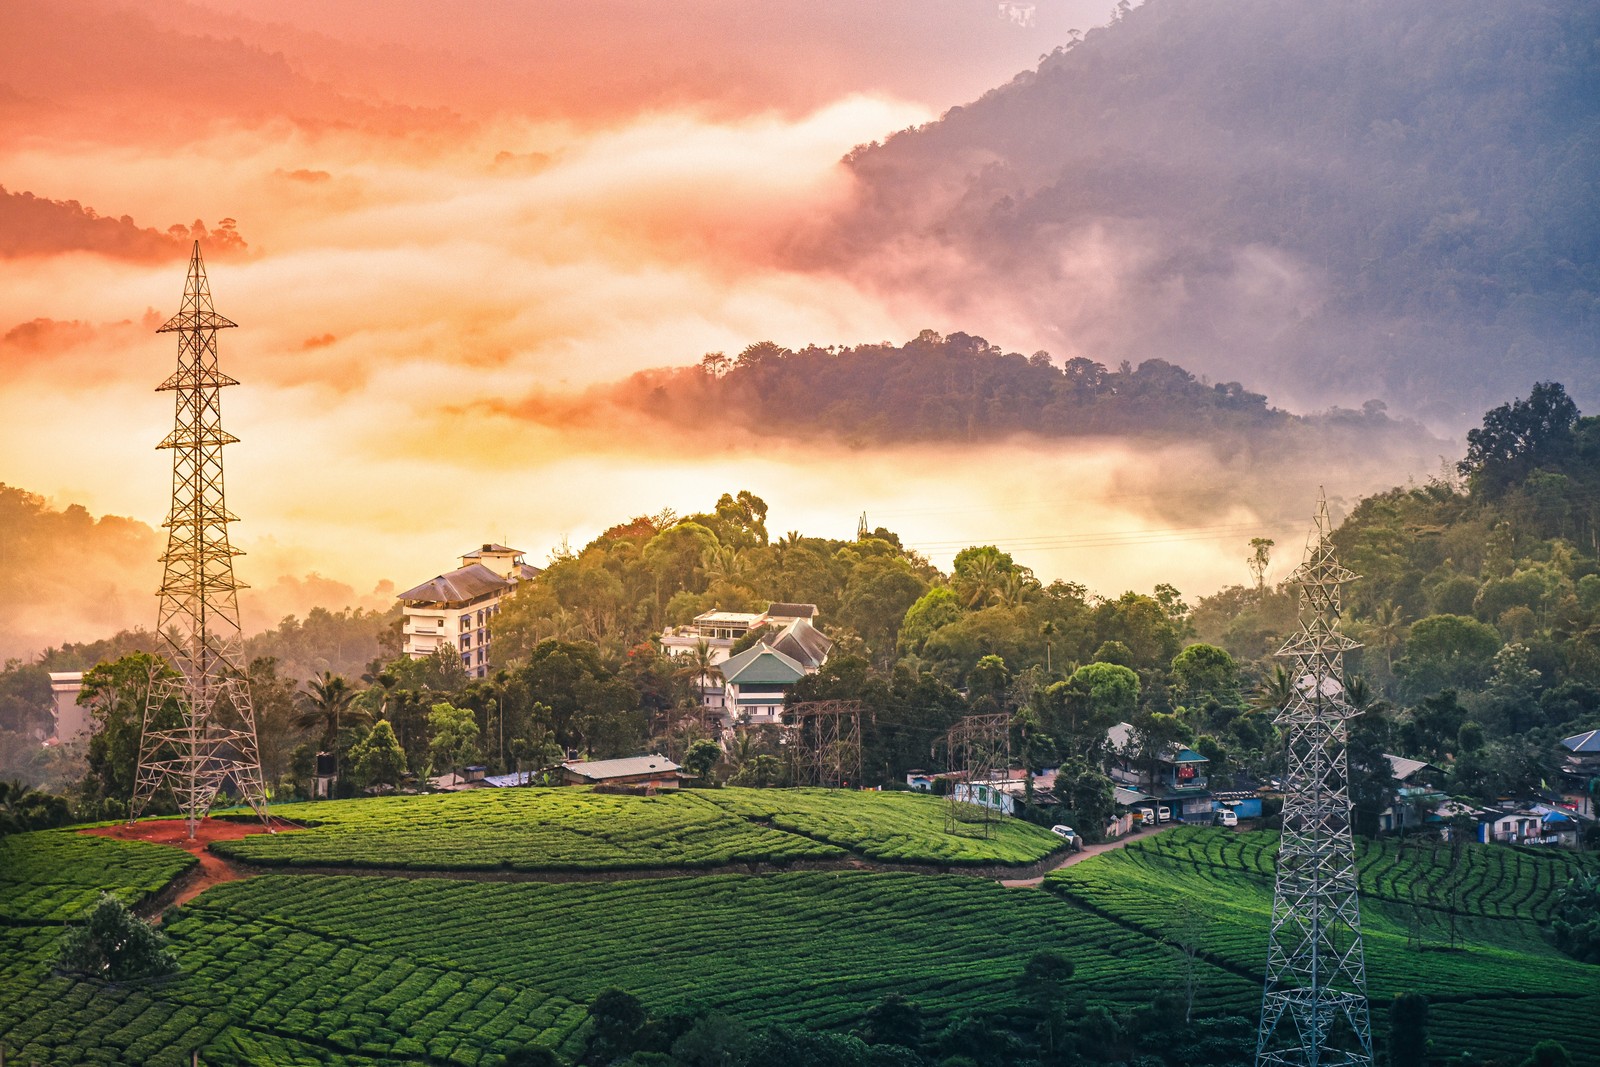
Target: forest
{"points": [[963, 388], [1478, 608]]}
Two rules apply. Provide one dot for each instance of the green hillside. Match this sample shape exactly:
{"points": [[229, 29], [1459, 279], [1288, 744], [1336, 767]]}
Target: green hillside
{"points": [[291, 967], [578, 830], [1501, 966]]}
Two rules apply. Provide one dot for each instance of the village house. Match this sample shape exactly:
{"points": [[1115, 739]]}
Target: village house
{"points": [[1580, 773], [751, 687], [1416, 794], [649, 773], [453, 610], [1176, 776]]}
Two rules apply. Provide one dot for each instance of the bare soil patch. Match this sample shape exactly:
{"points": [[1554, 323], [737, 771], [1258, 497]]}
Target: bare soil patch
{"points": [[212, 869]]}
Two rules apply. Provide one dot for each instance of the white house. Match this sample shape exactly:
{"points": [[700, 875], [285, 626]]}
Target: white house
{"points": [[453, 610], [72, 719], [752, 686]]}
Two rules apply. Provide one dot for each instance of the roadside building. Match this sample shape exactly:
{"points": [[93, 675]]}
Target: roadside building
{"points": [[1176, 775]]}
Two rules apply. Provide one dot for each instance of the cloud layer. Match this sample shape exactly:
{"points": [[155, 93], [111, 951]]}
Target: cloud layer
{"points": [[420, 264]]}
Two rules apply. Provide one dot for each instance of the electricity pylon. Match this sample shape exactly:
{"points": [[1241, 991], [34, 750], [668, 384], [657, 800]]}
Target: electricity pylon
{"points": [[1314, 1010], [199, 727]]}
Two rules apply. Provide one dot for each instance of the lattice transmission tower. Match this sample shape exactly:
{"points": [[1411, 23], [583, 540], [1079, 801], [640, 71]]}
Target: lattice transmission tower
{"points": [[1314, 1010], [978, 754], [199, 727], [824, 742]]}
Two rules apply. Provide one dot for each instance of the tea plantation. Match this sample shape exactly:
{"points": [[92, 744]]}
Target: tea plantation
{"points": [[576, 830], [297, 967], [1489, 960]]}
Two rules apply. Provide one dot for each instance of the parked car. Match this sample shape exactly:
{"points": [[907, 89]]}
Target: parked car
{"points": [[1069, 835], [1163, 814], [1145, 816], [1225, 817]]}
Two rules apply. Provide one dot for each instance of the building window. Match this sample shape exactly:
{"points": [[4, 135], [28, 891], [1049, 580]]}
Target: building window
{"points": [[466, 622], [480, 655], [466, 659], [466, 640]]}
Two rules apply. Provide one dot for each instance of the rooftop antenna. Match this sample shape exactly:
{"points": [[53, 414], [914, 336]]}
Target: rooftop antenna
{"points": [[1314, 1010], [199, 727]]}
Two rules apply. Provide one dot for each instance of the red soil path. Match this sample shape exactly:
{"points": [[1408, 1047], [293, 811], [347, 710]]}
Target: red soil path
{"points": [[213, 869]]}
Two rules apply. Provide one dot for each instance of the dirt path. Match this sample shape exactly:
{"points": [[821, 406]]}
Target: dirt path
{"points": [[1088, 850], [212, 869]]}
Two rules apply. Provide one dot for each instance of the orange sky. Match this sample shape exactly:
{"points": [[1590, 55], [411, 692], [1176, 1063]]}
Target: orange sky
{"points": [[445, 211]]}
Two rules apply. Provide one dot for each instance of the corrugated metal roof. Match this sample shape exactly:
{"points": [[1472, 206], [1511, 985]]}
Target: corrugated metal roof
{"points": [[1401, 768], [597, 770], [458, 586], [1589, 742]]}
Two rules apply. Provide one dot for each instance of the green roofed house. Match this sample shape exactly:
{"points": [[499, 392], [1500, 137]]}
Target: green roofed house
{"points": [[758, 681]]}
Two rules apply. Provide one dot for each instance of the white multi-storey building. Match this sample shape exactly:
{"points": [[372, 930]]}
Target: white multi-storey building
{"points": [[454, 609]]}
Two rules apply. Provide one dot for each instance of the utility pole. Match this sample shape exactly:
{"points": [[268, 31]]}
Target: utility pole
{"points": [[1314, 1010], [200, 727], [824, 742], [978, 748]]}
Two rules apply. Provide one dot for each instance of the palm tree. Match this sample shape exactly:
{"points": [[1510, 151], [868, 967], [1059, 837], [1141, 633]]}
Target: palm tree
{"points": [[1014, 588], [1274, 693], [744, 746], [326, 704], [1047, 631], [980, 583], [1387, 627], [724, 564], [13, 795], [696, 668]]}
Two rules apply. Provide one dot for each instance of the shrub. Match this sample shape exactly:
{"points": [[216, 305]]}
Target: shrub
{"points": [[116, 945]]}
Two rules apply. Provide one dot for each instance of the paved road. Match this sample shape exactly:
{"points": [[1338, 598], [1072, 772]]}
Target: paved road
{"points": [[1088, 850]]}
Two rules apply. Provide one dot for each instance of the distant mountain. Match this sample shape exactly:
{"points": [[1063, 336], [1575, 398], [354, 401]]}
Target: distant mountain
{"points": [[35, 226], [962, 388], [1334, 201]]}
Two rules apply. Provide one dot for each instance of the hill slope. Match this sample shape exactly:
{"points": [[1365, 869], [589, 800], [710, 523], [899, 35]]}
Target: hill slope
{"points": [[1336, 200]]}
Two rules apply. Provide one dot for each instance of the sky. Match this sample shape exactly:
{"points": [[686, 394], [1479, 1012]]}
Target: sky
{"points": [[441, 212]]}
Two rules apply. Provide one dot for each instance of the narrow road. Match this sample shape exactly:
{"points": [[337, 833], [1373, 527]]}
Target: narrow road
{"points": [[1088, 850]]}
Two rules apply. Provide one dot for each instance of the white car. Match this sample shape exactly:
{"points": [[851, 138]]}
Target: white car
{"points": [[1163, 815], [1147, 816], [1069, 835], [1225, 817]]}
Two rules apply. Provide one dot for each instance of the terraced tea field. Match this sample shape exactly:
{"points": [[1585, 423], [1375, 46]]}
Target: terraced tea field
{"points": [[53, 875], [296, 967], [1504, 967], [458, 971], [888, 827], [578, 830]]}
